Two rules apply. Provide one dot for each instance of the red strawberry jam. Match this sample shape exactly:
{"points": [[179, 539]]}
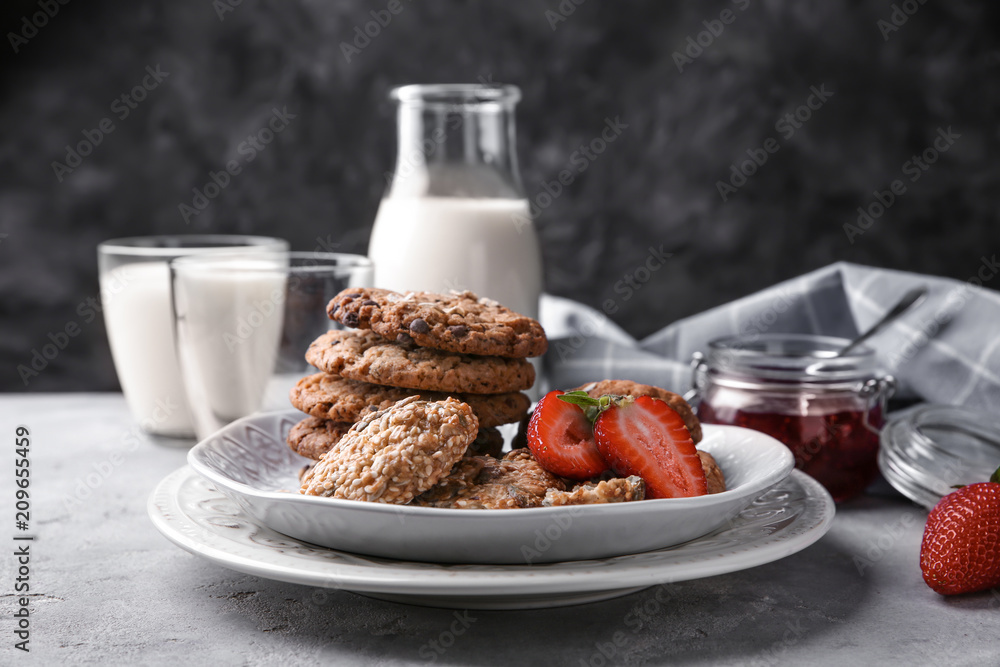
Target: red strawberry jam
{"points": [[836, 449], [826, 407]]}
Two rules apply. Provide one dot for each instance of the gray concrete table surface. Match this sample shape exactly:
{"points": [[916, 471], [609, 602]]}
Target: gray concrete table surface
{"points": [[108, 589]]}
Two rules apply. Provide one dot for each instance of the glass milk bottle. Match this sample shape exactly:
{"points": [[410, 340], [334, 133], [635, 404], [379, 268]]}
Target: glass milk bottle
{"points": [[455, 216]]}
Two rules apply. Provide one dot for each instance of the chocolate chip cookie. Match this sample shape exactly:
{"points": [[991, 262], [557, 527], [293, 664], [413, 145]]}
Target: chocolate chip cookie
{"points": [[339, 399], [629, 388], [368, 357], [714, 478], [459, 322], [488, 442], [313, 437]]}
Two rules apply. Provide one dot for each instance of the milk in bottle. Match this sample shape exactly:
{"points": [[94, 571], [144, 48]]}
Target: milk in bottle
{"points": [[455, 216]]}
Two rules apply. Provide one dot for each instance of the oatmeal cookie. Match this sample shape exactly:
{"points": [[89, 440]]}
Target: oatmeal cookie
{"points": [[629, 388], [339, 399], [520, 439], [368, 357], [393, 455], [512, 482], [616, 490], [458, 322], [714, 478], [312, 437]]}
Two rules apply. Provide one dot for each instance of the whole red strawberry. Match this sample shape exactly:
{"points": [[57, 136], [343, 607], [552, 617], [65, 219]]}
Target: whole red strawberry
{"points": [[961, 548]]}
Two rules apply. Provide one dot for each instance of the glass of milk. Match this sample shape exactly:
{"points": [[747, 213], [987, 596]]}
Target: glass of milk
{"points": [[455, 216], [243, 322], [135, 297]]}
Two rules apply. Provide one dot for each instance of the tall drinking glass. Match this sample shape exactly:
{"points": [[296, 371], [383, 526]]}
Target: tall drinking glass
{"points": [[135, 297], [243, 322]]}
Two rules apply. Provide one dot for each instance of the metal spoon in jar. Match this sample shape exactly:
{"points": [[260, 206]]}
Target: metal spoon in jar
{"points": [[909, 300]]}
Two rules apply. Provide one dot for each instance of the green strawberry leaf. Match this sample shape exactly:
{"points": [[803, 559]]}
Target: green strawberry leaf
{"points": [[593, 407], [995, 477], [579, 398]]}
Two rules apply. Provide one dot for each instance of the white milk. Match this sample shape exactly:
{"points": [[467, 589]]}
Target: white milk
{"points": [[137, 314], [439, 244], [229, 326]]}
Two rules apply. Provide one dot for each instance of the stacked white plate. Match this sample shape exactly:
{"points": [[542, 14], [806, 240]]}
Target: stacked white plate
{"points": [[237, 504]]}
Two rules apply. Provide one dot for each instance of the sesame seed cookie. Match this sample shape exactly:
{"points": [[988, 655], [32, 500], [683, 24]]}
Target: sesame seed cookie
{"points": [[459, 322], [366, 356], [394, 455], [313, 437]]}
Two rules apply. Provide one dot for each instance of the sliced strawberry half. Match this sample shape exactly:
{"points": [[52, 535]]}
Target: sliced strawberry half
{"points": [[561, 438], [646, 437]]}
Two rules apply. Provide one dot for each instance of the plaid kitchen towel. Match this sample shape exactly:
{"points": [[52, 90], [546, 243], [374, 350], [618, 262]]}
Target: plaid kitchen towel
{"points": [[943, 351]]}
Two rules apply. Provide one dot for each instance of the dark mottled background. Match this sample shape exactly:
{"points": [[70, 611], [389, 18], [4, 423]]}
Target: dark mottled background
{"points": [[322, 177]]}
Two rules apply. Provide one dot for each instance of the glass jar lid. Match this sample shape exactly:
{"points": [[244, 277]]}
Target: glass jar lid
{"points": [[926, 452], [790, 358]]}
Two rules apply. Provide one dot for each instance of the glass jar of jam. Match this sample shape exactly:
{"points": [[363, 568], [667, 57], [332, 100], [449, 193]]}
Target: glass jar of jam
{"points": [[827, 409]]}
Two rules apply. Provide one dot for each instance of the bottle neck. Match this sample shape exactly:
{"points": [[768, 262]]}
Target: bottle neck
{"points": [[462, 150]]}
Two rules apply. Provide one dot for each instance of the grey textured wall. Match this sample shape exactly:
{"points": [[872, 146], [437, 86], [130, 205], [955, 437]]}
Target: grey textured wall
{"points": [[320, 181]]}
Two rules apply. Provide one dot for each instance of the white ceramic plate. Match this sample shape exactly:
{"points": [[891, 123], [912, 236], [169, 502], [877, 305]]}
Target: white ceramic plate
{"points": [[190, 512], [250, 462]]}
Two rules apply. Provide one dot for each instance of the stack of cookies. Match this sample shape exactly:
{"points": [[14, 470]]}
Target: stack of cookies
{"points": [[416, 344]]}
